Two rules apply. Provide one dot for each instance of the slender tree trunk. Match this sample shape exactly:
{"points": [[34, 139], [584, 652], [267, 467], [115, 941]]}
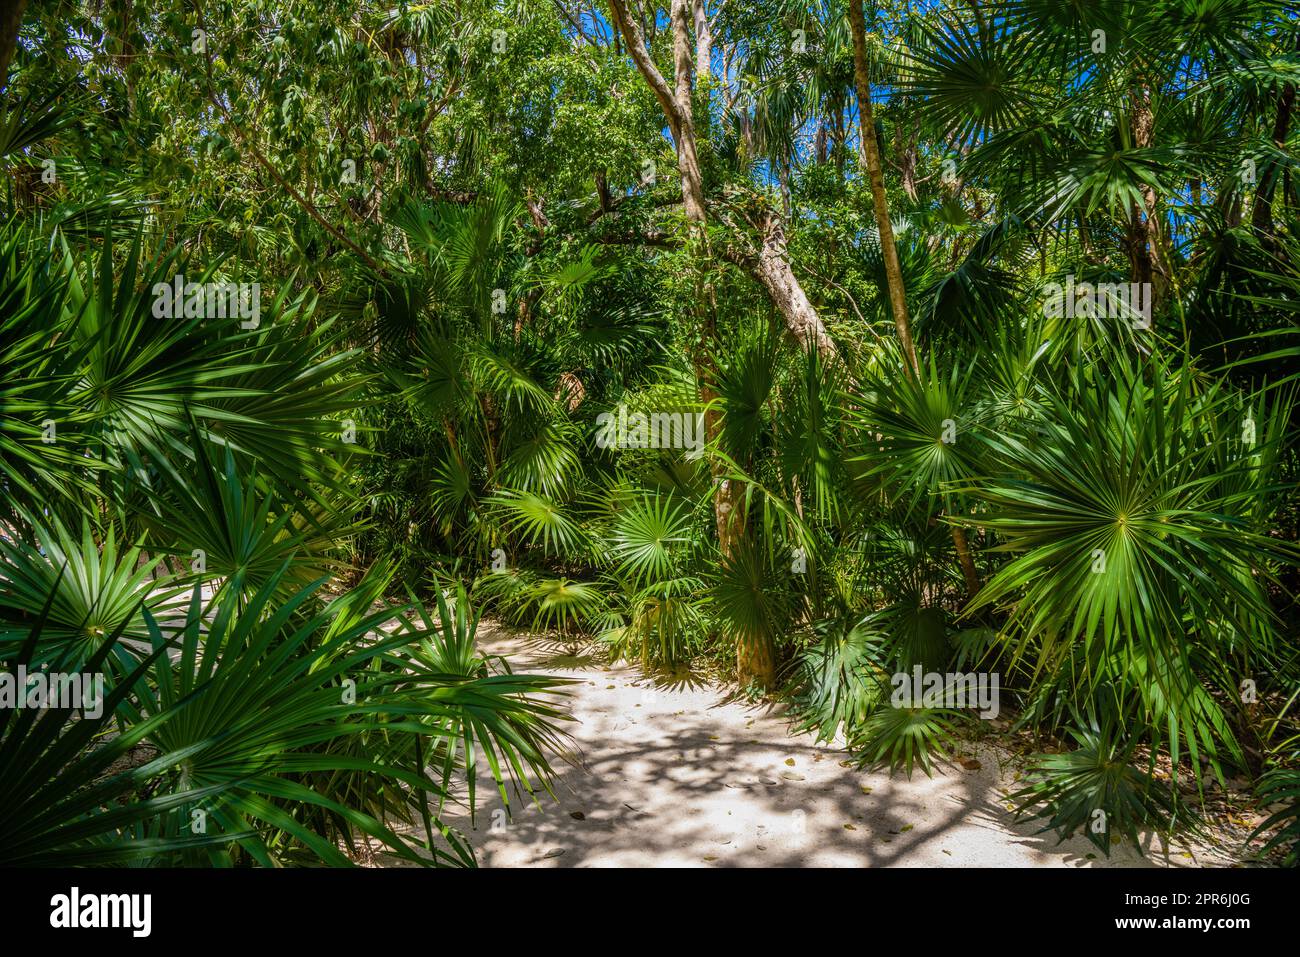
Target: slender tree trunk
{"points": [[771, 266], [602, 191], [905, 148], [703, 43], [889, 251], [841, 139], [783, 180], [966, 560], [801, 318], [753, 664], [688, 162], [1138, 252], [1148, 239], [676, 101], [876, 175]]}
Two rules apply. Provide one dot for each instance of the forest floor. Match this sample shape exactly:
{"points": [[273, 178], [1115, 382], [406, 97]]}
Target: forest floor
{"points": [[674, 772]]}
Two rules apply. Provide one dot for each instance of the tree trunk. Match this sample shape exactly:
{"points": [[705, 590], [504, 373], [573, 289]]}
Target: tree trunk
{"points": [[675, 102], [1147, 237], [703, 43], [777, 277], [602, 191], [888, 249], [966, 560], [906, 150], [1261, 216], [754, 664], [773, 270], [688, 162], [880, 202], [783, 181], [677, 109]]}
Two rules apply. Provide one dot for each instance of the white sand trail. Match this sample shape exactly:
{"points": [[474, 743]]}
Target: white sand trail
{"points": [[678, 775]]}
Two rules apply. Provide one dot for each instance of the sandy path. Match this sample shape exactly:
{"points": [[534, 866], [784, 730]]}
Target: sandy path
{"points": [[676, 775]]}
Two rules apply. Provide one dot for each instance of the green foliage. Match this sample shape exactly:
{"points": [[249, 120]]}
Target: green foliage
{"points": [[91, 590], [1281, 785], [256, 722], [899, 738], [65, 801], [467, 226], [1097, 789], [838, 682]]}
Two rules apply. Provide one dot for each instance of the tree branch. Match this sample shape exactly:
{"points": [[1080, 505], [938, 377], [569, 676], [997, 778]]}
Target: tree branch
{"points": [[636, 47]]}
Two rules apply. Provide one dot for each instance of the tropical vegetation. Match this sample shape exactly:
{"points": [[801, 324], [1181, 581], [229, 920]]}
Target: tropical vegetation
{"points": [[971, 327]]}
